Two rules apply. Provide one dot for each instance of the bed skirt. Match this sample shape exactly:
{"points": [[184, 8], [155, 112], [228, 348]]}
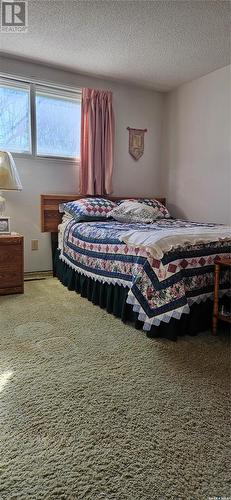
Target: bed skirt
{"points": [[113, 299]]}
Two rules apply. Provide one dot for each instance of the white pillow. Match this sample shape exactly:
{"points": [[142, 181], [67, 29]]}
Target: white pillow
{"points": [[133, 211], [67, 217]]}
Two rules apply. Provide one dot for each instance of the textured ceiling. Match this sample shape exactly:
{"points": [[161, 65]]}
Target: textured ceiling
{"points": [[158, 44]]}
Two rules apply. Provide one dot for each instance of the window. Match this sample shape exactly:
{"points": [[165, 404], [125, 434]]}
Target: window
{"points": [[57, 124], [39, 120], [15, 133]]}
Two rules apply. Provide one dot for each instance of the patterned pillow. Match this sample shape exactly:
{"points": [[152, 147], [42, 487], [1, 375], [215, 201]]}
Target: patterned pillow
{"points": [[160, 210], [87, 209], [133, 211]]}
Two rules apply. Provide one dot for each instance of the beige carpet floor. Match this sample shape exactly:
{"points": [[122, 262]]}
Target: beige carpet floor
{"points": [[92, 409]]}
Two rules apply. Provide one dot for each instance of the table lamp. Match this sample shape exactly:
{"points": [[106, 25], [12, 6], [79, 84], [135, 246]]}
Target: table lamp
{"points": [[9, 181]]}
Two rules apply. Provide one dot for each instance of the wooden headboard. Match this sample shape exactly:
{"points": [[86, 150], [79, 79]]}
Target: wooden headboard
{"points": [[50, 215]]}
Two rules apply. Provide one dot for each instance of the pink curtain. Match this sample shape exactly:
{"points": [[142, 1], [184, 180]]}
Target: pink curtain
{"points": [[97, 142]]}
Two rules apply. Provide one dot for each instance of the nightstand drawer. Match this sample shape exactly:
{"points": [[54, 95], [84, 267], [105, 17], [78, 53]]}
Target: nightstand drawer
{"points": [[10, 257], [11, 264], [10, 278], [8, 239]]}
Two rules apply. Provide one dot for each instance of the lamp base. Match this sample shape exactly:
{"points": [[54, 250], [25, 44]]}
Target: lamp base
{"points": [[2, 205]]}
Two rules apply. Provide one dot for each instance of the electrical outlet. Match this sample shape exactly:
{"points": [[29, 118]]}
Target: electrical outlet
{"points": [[34, 244]]}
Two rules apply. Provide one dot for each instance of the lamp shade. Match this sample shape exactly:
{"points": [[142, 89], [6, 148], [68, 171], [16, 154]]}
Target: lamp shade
{"points": [[9, 178]]}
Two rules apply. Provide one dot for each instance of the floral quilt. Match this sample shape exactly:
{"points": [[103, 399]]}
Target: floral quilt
{"points": [[158, 289]]}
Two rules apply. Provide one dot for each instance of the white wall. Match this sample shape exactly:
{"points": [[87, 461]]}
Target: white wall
{"points": [[133, 107], [196, 149]]}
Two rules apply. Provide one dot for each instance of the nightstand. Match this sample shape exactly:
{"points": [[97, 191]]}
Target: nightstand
{"points": [[11, 264], [219, 262]]}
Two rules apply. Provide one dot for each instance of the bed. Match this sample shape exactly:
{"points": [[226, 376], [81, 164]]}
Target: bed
{"points": [[166, 294]]}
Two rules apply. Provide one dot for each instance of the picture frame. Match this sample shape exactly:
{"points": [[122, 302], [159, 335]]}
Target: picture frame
{"points": [[4, 225]]}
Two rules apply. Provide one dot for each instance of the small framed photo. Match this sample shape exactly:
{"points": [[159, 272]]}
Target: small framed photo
{"points": [[4, 225]]}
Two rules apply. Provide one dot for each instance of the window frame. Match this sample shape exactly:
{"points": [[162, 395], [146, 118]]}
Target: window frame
{"points": [[24, 86], [33, 132]]}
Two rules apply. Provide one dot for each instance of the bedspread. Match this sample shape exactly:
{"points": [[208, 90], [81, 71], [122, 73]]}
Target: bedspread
{"points": [[159, 289]]}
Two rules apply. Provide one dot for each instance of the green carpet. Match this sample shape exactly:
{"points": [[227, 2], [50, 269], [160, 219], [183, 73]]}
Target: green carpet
{"points": [[92, 409]]}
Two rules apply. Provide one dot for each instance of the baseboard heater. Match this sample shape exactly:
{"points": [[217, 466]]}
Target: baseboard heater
{"points": [[37, 275]]}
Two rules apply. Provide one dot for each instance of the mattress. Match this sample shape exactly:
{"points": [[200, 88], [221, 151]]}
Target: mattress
{"points": [[159, 288]]}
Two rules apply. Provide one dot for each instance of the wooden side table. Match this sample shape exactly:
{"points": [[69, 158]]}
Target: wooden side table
{"points": [[11, 264], [216, 314]]}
